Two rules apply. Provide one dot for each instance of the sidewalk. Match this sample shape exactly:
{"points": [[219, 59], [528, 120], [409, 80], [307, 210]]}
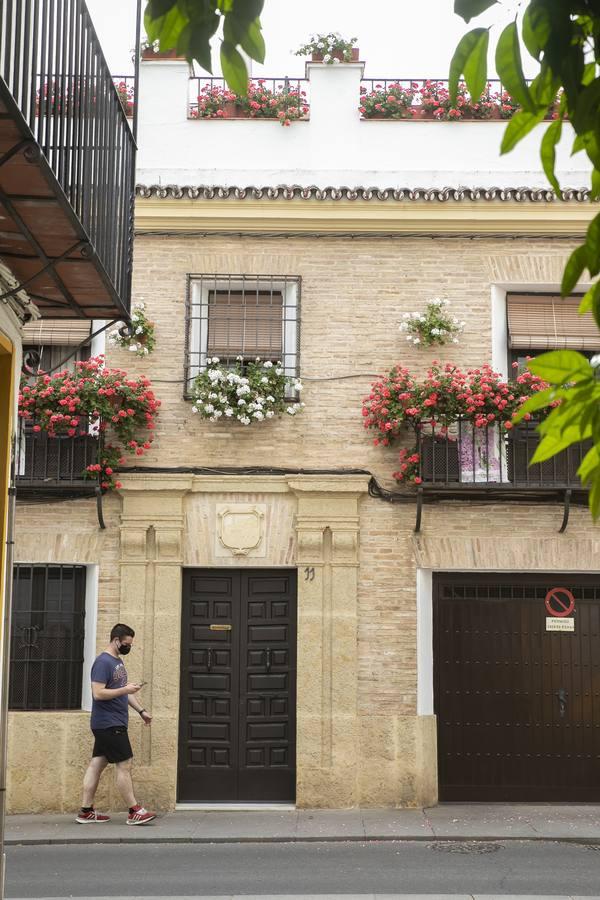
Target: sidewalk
{"points": [[455, 822]]}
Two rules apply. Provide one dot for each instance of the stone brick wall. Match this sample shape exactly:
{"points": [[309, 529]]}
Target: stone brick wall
{"points": [[353, 294]]}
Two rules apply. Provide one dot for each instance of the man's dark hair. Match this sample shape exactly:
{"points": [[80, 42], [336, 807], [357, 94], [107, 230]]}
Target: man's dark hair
{"points": [[120, 631]]}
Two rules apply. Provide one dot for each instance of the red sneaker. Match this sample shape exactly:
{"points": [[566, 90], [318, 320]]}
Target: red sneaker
{"points": [[140, 816], [92, 816]]}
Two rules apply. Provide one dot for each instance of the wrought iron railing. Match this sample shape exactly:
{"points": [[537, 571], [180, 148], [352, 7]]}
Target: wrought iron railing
{"points": [[491, 456], [53, 67], [56, 463]]}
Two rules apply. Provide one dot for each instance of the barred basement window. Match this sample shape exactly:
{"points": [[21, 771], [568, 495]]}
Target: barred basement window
{"points": [[47, 635], [247, 316]]}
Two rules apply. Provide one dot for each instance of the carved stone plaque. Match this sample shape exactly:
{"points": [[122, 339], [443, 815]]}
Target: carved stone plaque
{"points": [[240, 529]]}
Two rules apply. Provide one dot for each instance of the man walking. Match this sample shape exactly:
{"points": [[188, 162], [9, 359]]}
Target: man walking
{"points": [[112, 696]]}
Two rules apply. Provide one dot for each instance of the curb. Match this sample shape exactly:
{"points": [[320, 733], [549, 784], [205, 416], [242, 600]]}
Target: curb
{"points": [[310, 839]]}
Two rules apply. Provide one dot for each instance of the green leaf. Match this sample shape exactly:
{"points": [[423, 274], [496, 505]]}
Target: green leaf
{"points": [[588, 299], [561, 366], [595, 497], [576, 263], [548, 153], [592, 244], [536, 29], [586, 109], [253, 42], [468, 9], [537, 401], [234, 69], [518, 127], [510, 70], [595, 188], [166, 29], [470, 57], [544, 87], [194, 43], [158, 8], [590, 462]]}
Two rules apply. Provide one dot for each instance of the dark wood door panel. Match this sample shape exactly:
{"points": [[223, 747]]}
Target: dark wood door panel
{"points": [[238, 684], [518, 707]]}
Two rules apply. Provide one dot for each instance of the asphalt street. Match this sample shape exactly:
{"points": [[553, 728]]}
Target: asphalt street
{"points": [[167, 870]]}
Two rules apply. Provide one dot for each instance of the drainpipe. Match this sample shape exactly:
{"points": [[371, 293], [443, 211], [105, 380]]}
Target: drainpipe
{"points": [[5, 661]]}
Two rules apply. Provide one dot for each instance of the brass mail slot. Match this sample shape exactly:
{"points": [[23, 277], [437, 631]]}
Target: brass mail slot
{"points": [[221, 627]]}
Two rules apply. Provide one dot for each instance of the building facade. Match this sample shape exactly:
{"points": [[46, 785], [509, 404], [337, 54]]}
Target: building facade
{"points": [[310, 633]]}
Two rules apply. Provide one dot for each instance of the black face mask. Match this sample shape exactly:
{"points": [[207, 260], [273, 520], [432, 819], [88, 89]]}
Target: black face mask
{"points": [[124, 649]]}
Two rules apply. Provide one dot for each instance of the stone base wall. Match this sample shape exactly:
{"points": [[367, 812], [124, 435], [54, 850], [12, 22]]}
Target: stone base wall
{"points": [[364, 735]]}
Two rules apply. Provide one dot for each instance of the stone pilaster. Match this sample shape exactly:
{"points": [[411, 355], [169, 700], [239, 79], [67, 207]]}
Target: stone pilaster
{"points": [[327, 525]]}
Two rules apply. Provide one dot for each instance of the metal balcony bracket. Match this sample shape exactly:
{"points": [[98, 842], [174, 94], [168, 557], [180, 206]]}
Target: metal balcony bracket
{"points": [[99, 509], [419, 509], [566, 510]]}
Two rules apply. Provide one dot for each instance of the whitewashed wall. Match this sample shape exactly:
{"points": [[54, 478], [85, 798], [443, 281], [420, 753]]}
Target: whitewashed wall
{"points": [[334, 148]]}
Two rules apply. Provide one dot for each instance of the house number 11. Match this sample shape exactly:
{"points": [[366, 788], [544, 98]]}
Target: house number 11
{"points": [[309, 573]]}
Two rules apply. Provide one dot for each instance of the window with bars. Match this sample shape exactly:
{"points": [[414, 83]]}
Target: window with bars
{"points": [[238, 318], [47, 637]]}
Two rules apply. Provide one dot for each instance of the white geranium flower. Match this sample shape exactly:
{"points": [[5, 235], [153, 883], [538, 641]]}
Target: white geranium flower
{"points": [[241, 402], [132, 348], [194, 409], [218, 413], [259, 415], [215, 359], [335, 61], [291, 410], [279, 371], [264, 380], [269, 414], [209, 408], [455, 340], [244, 420], [228, 411], [416, 340], [139, 330], [268, 364], [595, 361], [406, 315], [270, 399], [326, 58]]}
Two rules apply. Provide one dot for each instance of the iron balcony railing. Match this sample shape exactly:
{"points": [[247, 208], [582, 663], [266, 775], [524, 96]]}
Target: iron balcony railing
{"points": [[56, 464], [53, 66], [462, 454]]}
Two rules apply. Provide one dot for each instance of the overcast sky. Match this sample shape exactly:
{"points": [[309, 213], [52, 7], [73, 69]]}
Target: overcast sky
{"points": [[397, 38]]}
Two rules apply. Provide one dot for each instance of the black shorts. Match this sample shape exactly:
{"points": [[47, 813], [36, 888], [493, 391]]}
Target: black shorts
{"points": [[113, 743]]}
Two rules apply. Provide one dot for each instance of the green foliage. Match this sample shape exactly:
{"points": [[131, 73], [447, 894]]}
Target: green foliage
{"points": [[564, 40], [187, 26]]}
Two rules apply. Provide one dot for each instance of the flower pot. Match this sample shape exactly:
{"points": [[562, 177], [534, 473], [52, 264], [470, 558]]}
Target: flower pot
{"points": [[482, 454], [419, 112], [232, 109], [317, 56]]}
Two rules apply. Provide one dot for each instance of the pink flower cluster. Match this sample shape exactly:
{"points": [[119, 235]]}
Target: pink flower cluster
{"points": [[479, 396], [98, 398]]}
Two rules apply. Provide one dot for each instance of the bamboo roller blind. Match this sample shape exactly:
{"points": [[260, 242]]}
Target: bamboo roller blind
{"points": [[245, 324], [550, 322], [50, 332]]}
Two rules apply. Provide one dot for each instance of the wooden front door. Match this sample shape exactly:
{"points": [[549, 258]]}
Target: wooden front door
{"points": [[518, 707], [237, 731]]}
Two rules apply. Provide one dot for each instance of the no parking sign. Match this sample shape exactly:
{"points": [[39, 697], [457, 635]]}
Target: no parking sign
{"points": [[560, 603]]}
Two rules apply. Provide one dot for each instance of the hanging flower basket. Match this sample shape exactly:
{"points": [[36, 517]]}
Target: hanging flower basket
{"points": [[246, 393]]}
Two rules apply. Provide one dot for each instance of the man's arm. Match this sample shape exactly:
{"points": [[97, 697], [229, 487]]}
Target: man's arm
{"points": [[101, 692], [146, 717]]}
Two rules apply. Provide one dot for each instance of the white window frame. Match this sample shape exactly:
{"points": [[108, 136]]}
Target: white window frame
{"points": [[199, 288]]}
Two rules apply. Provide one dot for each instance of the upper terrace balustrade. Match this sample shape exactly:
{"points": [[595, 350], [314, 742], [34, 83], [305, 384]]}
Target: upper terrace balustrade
{"points": [[67, 162]]}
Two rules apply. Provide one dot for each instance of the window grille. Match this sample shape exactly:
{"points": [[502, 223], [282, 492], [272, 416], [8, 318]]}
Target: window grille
{"points": [[247, 316], [47, 635]]}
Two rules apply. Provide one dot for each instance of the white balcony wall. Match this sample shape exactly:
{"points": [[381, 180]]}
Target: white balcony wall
{"points": [[333, 148]]}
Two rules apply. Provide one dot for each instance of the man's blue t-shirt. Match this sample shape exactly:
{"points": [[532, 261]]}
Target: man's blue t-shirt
{"points": [[110, 672]]}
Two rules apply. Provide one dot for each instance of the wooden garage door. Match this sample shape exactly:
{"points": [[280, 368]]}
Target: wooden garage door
{"points": [[238, 686], [518, 706]]}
